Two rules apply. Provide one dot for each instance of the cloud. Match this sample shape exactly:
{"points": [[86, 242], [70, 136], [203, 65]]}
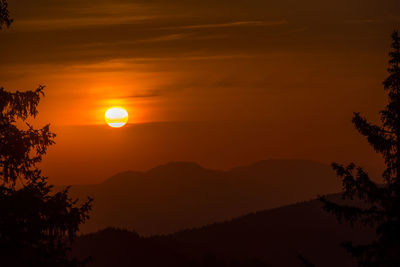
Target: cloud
{"points": [[149, 94], [161, 38], [231, 24], [65, 23], [169, 37], [50, 15]]}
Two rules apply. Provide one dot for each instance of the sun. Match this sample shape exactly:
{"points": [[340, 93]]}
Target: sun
{"points": [[116, 117]]}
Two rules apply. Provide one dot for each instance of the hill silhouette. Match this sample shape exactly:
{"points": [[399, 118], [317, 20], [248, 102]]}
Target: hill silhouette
{"points": [[274, 237], [182, 195]]}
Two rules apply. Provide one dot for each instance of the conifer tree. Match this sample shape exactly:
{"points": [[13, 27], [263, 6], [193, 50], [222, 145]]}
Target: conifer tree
{"points": [[378, 204], [37, 224], [4, 14]]}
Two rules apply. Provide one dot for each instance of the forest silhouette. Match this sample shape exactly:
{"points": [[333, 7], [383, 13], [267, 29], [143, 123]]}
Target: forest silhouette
{"points": [[40, 224], [274, 237]]}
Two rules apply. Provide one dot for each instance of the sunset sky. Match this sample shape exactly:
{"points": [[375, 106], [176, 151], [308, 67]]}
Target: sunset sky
{"points": [[222, 83]]}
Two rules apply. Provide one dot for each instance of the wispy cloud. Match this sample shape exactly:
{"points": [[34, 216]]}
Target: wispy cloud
{"points": [[363, 20], [65, 23], [73, 14], [88, 21], [149, 94], [156, 39], [163, 38], [127, 63], [231, 24]]}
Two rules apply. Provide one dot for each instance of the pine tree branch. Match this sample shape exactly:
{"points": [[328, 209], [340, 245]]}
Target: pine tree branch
{"points": [[359, 185], [353, 214], [377, 136]]}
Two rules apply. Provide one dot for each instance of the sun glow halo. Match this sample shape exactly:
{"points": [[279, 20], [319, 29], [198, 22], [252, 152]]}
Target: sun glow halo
{"points": [[116, 117]]}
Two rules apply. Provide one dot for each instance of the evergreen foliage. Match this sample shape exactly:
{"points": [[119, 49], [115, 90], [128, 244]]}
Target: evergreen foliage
{"points": [[379, 204], [4, 14], [37, 224]]}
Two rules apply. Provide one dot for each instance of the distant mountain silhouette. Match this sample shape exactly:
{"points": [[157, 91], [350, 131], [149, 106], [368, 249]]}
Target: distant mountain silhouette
{"points": [[275, 237], [182, 195]]}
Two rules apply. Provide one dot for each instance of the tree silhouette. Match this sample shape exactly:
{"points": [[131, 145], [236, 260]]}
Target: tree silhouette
{"points": [[37, 224], [378, 204], [4, 15]]}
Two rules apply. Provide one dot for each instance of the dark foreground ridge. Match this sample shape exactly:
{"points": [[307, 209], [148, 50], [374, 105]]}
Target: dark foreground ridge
{"points": [[272, 237]]}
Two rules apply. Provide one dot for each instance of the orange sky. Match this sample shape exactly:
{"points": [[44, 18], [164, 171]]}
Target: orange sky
{"points": [[298, 68]]}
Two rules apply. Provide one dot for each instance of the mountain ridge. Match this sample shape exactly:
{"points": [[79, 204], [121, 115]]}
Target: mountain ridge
{"points": [[181, 195]]}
